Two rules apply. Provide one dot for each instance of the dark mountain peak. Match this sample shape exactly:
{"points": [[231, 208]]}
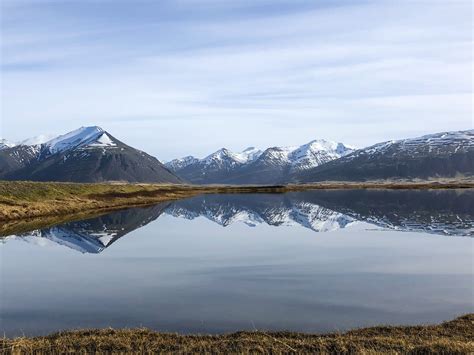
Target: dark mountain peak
{"points": [[87, 154]]}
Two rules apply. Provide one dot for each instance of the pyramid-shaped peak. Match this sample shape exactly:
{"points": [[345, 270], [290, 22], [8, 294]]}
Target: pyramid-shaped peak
{"points": [[219, 153]]}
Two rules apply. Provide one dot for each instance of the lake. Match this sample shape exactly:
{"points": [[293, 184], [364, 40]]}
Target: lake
{"points": [[314, 261]]}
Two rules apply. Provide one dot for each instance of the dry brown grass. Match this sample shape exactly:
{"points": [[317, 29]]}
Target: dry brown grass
{"points": [[30, 200], [454, 337], [22, 200]]}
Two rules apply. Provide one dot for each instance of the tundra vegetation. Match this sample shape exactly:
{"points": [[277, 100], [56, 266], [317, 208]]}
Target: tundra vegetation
{"points": [[453, 337]]}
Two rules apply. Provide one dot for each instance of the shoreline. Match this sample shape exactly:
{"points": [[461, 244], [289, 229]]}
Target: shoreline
{"points": [[22, 201], [455, 336]]}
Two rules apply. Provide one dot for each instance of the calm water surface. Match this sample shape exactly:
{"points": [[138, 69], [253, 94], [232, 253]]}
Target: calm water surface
{"points": [[314, 262]]}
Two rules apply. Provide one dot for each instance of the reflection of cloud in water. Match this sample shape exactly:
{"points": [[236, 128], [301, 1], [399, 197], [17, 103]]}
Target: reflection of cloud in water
{"points": [[444, 212]]}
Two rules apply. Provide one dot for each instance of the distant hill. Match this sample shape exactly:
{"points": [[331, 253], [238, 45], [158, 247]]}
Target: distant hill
{"points": [[88, 154], [440, 155], [271, 166]]}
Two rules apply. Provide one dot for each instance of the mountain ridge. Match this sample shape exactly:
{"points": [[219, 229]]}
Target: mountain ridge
{"points": [[91, 154], [253, 166], [444, 154]]}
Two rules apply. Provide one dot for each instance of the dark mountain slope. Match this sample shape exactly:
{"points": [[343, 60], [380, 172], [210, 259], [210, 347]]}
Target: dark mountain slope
{"points": [[16, 158], [441, 155]]}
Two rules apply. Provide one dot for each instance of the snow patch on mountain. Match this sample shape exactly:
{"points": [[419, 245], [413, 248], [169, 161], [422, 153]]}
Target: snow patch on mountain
{"points": [[177, 164], [317, 152], [102, 141], [248, 155], [24, 152], [431, 143], [4, 144], [224, 155], [79, 137], [221, 159], [306, 156]]}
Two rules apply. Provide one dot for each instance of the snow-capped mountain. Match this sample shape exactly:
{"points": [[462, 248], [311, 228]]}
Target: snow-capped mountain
{"points": [[316, 153], [446, 154], [221, 159], [5, 144], [177, 164], [84, 138], [253, 166], [90, 154], [87, 154]]}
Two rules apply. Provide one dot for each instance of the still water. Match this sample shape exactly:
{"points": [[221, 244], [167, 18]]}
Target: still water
{"points": [[312, 261]]}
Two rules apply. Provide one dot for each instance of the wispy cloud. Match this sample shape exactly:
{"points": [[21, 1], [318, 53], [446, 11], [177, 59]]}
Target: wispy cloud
{"points": [[359, 72]]}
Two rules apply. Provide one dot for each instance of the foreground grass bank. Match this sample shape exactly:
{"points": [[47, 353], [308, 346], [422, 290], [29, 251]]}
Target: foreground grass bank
{"points": [[29, 200], [454, 337]]}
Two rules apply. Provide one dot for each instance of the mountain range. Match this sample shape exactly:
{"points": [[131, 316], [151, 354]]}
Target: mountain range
{"points": [[91, 154], [88, 154], [446, 154], [252, 166]]}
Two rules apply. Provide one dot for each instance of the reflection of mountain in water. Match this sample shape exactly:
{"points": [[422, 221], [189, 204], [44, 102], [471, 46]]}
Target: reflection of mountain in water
{"points": [[251, 209], [95, 234], [445, 212]]}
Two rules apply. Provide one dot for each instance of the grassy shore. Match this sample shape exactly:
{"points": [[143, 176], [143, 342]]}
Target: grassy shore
{"points": [[454, 337], [25, 200], [21, 201]]}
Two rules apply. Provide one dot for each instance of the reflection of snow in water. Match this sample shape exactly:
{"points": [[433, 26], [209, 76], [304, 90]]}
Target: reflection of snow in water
{"points": [[308, 215], [94, 235]]}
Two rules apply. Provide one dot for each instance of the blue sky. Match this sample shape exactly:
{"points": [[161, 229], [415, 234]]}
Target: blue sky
{"points": [[188, 77]]}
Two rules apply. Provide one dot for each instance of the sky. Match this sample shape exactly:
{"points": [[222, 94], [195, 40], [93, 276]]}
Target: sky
{"points": [[177, 77]]}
